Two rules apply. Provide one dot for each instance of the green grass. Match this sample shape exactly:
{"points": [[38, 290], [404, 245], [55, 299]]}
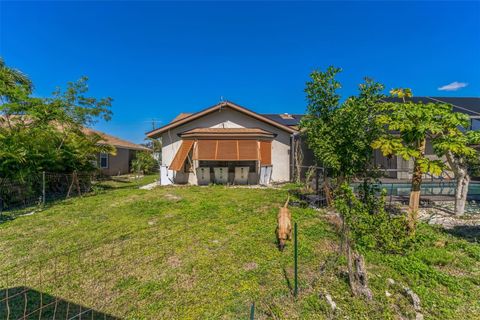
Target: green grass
{"points": [[209, 252]]}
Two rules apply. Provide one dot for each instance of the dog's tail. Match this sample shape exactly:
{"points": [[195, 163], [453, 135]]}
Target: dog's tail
{"points": [[286, 202]]}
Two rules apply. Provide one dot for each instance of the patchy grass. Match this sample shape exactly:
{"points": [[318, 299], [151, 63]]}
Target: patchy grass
{"points": [[209, 252]]}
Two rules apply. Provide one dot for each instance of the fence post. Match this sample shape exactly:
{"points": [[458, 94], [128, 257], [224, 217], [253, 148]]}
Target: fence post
{"points": [[295, 244], [252, 311], [43, 187]]}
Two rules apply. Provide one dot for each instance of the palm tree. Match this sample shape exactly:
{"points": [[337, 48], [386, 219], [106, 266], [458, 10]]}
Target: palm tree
{"points": [[12, 79]]}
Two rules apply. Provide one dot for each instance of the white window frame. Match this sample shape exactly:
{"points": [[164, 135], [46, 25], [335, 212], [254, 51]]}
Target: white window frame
{"points": [[104, 156]]}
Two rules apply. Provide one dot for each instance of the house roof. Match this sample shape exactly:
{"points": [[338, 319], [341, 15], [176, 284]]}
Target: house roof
{"points": [[291, 120], [106, 138], [470, 105], [226, 104], [115, 141], [181, 116], [227, 132]]}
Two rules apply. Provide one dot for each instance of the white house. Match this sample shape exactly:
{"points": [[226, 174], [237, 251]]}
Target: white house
{"points": [[227, 143]]}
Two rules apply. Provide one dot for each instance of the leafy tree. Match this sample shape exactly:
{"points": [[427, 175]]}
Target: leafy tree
{"points": [[458, 147], [14, 84], [47, 133], [156, 146], [407, 126], [143, 162], [340, 134]]}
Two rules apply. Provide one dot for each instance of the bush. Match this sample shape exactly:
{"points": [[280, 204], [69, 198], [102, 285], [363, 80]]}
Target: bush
{"points": [[370, 225], [143, 162]]}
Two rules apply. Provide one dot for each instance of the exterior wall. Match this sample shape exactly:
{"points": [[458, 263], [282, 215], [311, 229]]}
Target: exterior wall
{"points": [[229, 118], [117, 164], [403, 169]]}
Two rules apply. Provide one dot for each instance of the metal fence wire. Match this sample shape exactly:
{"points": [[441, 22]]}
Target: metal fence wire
{"points": [[51, 288], [41, 188], [436, 191]]}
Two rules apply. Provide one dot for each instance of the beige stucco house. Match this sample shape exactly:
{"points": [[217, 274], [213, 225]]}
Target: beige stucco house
{"points": [[228, 143]]}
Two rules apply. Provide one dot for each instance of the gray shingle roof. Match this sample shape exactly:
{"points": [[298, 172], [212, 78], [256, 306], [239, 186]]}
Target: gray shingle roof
{"points": [[470, 106], [295, 121]]}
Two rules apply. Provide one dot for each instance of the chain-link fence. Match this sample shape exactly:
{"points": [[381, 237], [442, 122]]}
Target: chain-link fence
{"points": [[76, 284], [436, 191], [42, 187]]}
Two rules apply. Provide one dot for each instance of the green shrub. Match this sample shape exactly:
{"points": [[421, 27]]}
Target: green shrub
{"points": [[370, 225], [143, 162]]}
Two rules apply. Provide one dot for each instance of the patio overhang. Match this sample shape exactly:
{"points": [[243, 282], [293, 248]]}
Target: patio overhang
{"points": [[227, 133]]}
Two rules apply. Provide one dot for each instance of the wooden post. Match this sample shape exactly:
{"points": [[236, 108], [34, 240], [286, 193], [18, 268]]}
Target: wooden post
{"points": [[43, 187]]}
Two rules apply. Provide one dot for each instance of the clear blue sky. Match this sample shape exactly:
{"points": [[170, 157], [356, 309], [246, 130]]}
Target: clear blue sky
{"points": [[157, 59]]}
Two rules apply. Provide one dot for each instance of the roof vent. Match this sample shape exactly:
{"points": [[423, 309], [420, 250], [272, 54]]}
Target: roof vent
{"points": [[286, 116]]}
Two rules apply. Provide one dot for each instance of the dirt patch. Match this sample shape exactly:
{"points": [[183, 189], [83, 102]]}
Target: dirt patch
{"points": [[172, 197], [174, 262], [250, 266], [186, 281]]}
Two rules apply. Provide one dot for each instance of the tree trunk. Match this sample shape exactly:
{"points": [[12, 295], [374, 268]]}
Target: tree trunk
{"points": [[461, 193], [326, 190], [298, 161], [414, 202], [357, 273], [463, 180]]}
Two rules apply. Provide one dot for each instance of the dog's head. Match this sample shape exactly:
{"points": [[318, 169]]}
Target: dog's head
{"points": [[281, 244]]}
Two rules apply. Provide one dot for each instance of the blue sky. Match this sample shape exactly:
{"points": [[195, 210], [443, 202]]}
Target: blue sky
{"points": [[157, 59]]}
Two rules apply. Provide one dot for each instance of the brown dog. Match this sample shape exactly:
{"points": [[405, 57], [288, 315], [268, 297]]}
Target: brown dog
{"points": [[284, 228]]}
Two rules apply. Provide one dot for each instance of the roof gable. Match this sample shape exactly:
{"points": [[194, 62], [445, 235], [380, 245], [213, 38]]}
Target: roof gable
{"points": [[226, 104]]}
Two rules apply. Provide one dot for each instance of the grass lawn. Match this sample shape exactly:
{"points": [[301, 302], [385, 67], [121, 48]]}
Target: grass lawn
{"points": [[209, 252]]}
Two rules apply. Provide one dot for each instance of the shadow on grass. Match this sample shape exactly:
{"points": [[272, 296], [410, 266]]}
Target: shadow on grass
{"points": [[287, 280], [28, 303], [469, 233]]}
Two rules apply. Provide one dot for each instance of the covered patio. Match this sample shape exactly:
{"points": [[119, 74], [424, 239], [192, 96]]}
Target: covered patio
{"points": [[223, 156]]}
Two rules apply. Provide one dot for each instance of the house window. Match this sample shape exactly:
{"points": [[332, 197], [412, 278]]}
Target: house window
{"points": [[103, 160]]}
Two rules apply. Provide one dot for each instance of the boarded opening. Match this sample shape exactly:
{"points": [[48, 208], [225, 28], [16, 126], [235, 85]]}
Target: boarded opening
{"points": [[248, 150], [205, 150], [227, 150], [181, 156], [265, 153]]}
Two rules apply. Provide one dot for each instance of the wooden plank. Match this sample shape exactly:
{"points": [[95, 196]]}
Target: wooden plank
{"points": [[181, 156]]}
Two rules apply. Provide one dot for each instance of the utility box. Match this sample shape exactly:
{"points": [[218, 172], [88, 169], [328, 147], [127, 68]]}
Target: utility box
{"points": [[203, 176], [241, 175], [166, 176], [265, 175], [221, 175]]}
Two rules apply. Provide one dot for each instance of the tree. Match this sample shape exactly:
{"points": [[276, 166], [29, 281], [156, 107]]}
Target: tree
{"points": [[13, 83], [143, 162], [407, 126], [340, 134], [47, 133], [461, 157]]}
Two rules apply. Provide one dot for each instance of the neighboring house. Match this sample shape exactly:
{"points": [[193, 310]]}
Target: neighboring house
{"points": [[246, 145], [396, 166], [120, 163], [107, 164]]}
